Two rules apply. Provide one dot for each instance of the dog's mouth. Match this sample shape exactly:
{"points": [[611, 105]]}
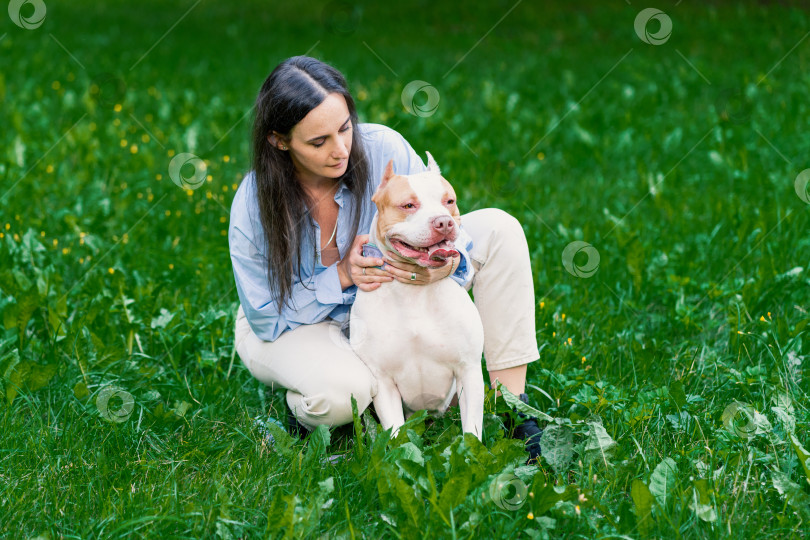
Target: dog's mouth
{"points": [[434, 255]]}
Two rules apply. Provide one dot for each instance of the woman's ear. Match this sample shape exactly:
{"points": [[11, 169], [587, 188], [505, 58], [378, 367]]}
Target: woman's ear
{"points": [[274, 139]]}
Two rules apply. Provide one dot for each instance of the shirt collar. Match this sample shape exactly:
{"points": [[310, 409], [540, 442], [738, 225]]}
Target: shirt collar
{"points": [[340, 193]]}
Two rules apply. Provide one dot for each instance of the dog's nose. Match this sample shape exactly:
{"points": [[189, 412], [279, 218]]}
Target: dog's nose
{"points": [[443, 224]]}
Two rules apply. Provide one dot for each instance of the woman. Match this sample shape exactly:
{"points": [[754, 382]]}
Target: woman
{"points": [[298, 262]]}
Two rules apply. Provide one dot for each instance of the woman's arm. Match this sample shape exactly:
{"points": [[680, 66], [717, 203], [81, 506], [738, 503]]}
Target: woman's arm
{"points": [[312, 300]]}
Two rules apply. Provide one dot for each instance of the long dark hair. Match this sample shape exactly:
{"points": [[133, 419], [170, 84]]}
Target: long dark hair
{"points": [[295, 87]]}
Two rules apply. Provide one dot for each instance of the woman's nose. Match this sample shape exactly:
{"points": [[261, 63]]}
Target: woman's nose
{"points": [[340, 151]]}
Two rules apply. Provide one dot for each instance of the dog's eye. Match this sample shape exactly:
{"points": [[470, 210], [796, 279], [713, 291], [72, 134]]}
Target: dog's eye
{"points": [[451, 201], [409, 205]]}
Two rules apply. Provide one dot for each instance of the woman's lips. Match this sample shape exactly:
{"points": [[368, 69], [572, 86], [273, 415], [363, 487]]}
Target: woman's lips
{"points": [[339, 165]]}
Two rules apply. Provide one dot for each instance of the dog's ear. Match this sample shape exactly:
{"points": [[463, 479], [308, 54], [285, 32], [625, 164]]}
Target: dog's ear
{"points": [[389, 172], [432, 166], [387, 175]]}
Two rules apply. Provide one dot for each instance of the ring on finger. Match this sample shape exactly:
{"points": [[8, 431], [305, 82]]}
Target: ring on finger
{"points": [[413, 276], [364, 270]]}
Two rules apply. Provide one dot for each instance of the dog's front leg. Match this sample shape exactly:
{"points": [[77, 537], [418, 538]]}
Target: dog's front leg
{"points": [[388, 405], [471, 400]]}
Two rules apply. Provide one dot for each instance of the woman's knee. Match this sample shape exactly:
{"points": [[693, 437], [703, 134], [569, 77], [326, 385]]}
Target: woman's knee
{"points": [[332, 403], [328, 408], [503, 222]]}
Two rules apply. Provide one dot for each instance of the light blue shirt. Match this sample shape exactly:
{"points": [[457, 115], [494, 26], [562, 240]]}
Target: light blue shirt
{"points": [[318, 294]]}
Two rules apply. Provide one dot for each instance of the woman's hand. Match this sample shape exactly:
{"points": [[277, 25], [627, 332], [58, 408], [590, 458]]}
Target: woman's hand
{"points": [[354, 269], [402, 269]]}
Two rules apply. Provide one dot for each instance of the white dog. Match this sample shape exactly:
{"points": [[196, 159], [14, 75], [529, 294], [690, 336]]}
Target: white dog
{"points": [[423, 343]]}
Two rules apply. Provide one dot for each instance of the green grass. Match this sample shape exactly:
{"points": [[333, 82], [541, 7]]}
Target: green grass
{"points": [[680, 398]]}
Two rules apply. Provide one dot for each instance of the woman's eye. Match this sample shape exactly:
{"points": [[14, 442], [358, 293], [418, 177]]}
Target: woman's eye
{"points": [[342, 130]]}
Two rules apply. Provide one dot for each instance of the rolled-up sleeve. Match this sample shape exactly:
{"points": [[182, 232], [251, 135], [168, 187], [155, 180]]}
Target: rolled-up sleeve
{"points": [[464, 273]]}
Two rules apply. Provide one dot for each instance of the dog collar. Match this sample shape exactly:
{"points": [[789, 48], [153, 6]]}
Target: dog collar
{"points": [[371, 250]]}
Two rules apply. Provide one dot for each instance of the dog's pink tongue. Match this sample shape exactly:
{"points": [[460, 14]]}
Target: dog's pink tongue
{"points": [[442, 251]]}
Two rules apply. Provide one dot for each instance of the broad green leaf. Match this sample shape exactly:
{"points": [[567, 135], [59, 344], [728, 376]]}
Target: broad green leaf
{"points": [[700, 501], [762, 423], [163, 319], [643, 500], [416, 472], [783, 409], [57, 318], [677, 393], [454, 492], [317, 443], [706, 512], [327, 486], [513, 401], [80, 390], [703, 470], [546, 495], [557, 447], [804, 455], [22, 280], [8, 364], [28, 303], [406, 501], [10, 313], [40, 375], [14, 380], [599, 445], [370, 425], [7, 283], [793, 493], [359, 443], [408, 451], [283, 442], [663, 480], [181, 408]]}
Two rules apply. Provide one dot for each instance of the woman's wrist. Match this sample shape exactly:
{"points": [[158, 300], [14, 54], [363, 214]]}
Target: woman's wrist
{"points": [[344, 276]]}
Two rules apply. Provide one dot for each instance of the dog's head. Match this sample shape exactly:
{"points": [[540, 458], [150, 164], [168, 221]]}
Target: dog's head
{"points": [[417, 215]]}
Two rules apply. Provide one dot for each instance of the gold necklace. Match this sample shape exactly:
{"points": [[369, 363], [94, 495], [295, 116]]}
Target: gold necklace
{"points": [[331, 237], [334, 231]]}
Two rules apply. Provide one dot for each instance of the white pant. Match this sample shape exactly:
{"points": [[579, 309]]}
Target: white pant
{"points": [[320, 371]]}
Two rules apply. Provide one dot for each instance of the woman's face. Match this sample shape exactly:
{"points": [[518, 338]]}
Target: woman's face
{"points": [[319, 144]]}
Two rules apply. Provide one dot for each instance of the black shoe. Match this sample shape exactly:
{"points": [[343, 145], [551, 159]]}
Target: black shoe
{"points": [[529, 432], [294, 427]]}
